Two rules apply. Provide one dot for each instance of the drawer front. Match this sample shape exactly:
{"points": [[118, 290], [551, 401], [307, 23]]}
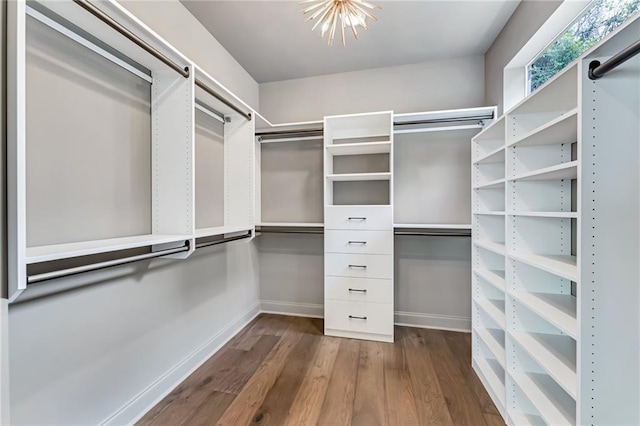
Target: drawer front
{"points": [[359, 317], [358, 289], [354, 217], [365, 242], [358, 265]]}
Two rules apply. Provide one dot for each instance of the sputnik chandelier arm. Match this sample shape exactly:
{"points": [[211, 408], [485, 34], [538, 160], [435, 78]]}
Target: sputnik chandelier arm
{"points": [[344, 13]]}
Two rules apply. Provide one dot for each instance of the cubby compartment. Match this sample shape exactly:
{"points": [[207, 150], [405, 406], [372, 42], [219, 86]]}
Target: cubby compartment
{"points": [[522, 412], [549, 296], [488, 260], [544, 198], [558, 97], [488, 145], [346, 193], [371, 163], [490, 372], [548, 162], [554, 404], [489, 200], [543, 242], [487, 173], [489, 228], [490, 300]]}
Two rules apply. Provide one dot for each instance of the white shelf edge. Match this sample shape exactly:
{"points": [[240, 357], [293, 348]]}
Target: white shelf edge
{"points": [[483, 159], [492, 278], [565, 322], [494, 346], [359, 148], [558, 215], [348, 177], [558, 120], [493, 184], [500, 121], [84, 248], [540, 400], [540, 173], [556, 265], [220, 230], [292, 224], [465, 226], [555, 368], [489, 213], [491, 246], [490, 309]]}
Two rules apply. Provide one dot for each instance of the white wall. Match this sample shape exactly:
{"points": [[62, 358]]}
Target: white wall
{"points": [[107, 344], [446, 84], [433, 274], [525, 21]]}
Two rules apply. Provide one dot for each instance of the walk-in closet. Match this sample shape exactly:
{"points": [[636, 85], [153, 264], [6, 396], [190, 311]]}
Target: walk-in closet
{"points": [[326, 212]]}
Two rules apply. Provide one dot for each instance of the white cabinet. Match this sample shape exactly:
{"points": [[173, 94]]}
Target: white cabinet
{"points": [[359, 226]]}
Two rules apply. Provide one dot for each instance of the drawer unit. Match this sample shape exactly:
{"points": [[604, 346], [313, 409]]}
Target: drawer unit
{"points": [[358, 265], [358, 289], [364, 242], [376, 318], [358, 217]]}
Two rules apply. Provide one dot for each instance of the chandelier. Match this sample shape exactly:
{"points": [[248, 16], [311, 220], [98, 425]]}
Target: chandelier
{"points": [[338, 13]]}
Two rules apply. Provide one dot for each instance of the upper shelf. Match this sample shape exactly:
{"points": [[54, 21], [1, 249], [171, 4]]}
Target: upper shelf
{"points": [[561, 171], [360, 148], [85, 248], [344, 177], [563, 129]]}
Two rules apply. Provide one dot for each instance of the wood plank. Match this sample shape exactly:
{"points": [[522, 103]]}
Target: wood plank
{"points": [[463, 406], [460, 345], [265, 324], [369, 401], [211, 409], [337, 408], [305, 410], [217, 374], [430, 403], [400, 400], [275, 407], [242, 410], [494, 420]]}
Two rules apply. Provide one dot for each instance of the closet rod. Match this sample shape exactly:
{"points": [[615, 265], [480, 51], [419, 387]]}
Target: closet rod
{"points": [[219, 97], [209, 112], [224, 240], [131, 36], [32, 279], [597, 69], [266, 136]]}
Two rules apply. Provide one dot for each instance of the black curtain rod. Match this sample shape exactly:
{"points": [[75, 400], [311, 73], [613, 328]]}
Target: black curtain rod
{"points": [[224, 240], [320, 132], [597, 69]]}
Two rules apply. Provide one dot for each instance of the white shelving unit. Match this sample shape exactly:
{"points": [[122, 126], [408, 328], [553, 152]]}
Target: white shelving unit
{"points": [[358, 238], [162, 155], [555, 249]]}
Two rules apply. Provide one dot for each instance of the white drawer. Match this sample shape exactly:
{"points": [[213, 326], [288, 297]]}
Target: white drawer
{"points": [[365, 242], [358, 289], [359, 317], [358, 217], [358, 265]]}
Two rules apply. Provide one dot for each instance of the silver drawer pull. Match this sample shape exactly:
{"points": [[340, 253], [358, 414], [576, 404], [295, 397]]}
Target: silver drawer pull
{"points": [[360, 318], [357, 218], [358, 242], [358, 290], [358, 266]]}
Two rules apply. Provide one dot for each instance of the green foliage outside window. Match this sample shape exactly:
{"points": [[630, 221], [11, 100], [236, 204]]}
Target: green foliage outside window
{"points": [[600, 19]]}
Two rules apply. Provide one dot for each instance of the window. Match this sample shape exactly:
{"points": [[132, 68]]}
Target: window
{"points": [[599, 19]]}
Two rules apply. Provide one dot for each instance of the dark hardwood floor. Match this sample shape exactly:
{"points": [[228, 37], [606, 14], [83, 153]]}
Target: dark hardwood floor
{"points": [[281, 370]]}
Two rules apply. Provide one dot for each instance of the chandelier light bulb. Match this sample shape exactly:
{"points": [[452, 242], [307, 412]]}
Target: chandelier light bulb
{"points": [[330, 14]]}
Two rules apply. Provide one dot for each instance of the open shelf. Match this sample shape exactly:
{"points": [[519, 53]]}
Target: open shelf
{"points": [[561, 265], [491, 246], [563, 129], [219, 230], [494, 309], [498, 183], [495, 156], [561, 171], [539, 389], [523, 419], [360, 148], [345, 177], [558, 309], [489, 213], [546, 350], [491, 341], [556, 215], [492, 379], [493, 277], [85, 248]]}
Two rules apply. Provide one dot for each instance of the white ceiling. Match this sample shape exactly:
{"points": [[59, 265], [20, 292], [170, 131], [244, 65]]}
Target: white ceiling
{"points": [[272, 42]]}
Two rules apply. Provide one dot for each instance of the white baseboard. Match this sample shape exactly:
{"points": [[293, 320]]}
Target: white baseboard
{"points": [[438, 322], [133, 411], [310, 310], [408, 319]]}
